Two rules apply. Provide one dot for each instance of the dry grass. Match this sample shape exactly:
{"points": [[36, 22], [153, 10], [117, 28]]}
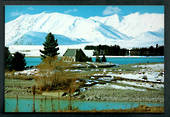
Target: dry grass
{"points": [[53, 75]]}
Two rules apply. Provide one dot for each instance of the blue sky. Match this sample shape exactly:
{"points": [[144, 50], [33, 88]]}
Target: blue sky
{"points": [[14, 11]]}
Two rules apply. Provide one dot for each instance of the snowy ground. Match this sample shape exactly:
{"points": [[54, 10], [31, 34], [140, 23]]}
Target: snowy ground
{"points": [[27, 72], [153, 73], [112, 86], [150, 76]]}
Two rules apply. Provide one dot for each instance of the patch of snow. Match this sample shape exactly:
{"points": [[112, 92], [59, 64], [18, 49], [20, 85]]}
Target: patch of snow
{"points": [[151, 76], [92, 77], [88, 83], [82, 89], [154, 67], [117, 87], [106, 78], [77, 65], [94, 70], [98, 74], [27, 72], [145, 85], [95, 81], [75, 70], [77, 81]]}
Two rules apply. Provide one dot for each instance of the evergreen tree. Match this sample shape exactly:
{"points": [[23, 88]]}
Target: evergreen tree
{"points": [[7, 53], [18, 62], [8, 59], [50, 47], [103, 58]]}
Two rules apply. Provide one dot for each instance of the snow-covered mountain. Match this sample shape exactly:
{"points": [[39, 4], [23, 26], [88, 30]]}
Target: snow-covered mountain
{"points": [[145, 39], [38, 38], [32, 29], [134, 24]]}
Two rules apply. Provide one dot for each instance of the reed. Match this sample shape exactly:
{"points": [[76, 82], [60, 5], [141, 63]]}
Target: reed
{"points": [[33, 91], [17, 109], [52, 105]]}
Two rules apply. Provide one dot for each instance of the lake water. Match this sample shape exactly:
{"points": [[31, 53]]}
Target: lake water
{"points": [[41, 105], [117, 60], [32, 61]]}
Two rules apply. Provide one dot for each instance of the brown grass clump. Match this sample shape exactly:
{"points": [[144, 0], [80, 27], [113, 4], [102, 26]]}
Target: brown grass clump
{"points": [[54, 74]]}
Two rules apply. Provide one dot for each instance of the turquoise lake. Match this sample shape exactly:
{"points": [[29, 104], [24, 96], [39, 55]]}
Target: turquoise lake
{"points": [[41, 105], [31, 61]]}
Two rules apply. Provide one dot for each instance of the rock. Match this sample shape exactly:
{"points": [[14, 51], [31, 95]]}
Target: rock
{"points": [[89, 98], [97, 97], [152, 85], [158, 80], [76, 93], [64, 94], [82, 96], [144, 77]]}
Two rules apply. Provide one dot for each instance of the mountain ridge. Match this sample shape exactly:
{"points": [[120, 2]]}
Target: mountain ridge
{"points": [[72, 30]]}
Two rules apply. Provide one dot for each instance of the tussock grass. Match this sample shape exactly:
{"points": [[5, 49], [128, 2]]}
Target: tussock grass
{"points": [[53, 75]]}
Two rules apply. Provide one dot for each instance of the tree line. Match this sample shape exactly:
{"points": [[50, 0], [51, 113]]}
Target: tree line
{"points": [[150, 51], [115, 50]]}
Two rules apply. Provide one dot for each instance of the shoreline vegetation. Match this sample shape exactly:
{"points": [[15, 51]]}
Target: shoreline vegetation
{"points": [[144, 83]]}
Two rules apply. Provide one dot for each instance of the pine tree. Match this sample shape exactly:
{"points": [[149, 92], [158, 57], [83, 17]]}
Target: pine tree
{"points": [[50, 47]]}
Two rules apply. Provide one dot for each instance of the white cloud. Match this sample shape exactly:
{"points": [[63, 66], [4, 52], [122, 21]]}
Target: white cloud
{"points": [[111, 10], [15, 13], [71, 10]]}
